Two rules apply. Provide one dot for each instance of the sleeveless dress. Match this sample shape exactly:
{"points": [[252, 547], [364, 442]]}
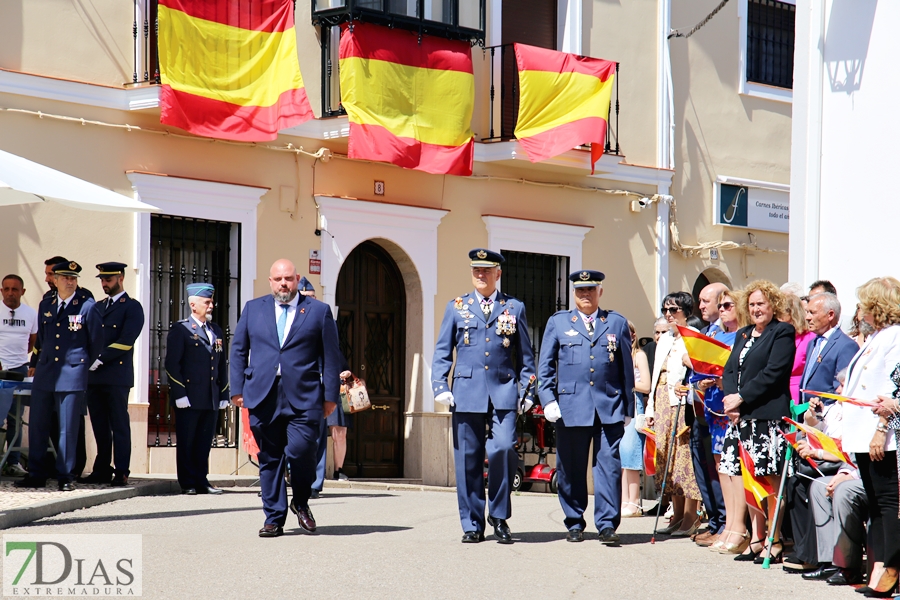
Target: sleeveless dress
{"points": [[631, 448]]}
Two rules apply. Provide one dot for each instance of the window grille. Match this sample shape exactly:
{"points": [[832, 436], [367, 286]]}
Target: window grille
{"points": [[770, 43]]}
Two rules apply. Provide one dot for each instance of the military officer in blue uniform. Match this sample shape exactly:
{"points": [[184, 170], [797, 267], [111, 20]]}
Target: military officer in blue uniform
{"points": [[198, 386], [486, 328], [586, 386], [112, 376], [68, 341]]}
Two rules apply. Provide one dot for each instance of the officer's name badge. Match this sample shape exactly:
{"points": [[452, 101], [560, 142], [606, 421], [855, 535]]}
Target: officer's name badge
{"points": [[75, 322], [571, 333]]}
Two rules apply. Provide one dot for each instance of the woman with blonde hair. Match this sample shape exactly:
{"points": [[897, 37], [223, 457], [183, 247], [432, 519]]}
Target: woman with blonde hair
{"points": [[756, 383], [795, 314], [631, 448], [871, 433]]}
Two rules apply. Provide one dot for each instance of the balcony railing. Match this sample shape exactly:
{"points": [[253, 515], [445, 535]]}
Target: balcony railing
{"points": [[504, 99], [454, 19], [145, 30]]}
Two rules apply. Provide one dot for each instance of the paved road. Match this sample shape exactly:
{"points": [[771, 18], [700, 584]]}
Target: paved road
{"points": [[389, 544]]}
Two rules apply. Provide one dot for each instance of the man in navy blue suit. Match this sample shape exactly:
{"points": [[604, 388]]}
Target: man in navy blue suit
{"points": [[586, 386], [487, 328], [195, 352], [830, 351], [68, 341], [285, 368], [112, 376]]}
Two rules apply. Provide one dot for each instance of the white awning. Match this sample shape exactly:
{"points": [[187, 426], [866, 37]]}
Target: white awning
{"points": [[26, 182]]}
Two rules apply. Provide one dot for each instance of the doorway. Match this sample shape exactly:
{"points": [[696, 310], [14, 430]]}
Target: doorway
{"points": [[371, 303]]}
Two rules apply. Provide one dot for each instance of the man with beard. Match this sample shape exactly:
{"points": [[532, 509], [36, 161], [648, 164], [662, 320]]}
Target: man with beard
{"points": [[112, 376], [285, 369]]}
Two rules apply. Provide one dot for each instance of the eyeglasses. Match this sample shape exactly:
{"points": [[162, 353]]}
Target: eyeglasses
{"points": [[726, 305], [658, 332], [804, 298], [670, 309]]}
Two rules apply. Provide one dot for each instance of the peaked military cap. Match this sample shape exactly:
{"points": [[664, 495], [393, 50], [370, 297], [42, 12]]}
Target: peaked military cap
{"points": [[482, 257], [201, 289], [304, 285], [586, 278], [69, 269], [111, 268]]}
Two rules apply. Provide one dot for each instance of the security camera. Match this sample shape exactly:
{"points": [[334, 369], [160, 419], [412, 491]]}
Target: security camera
{"points": [[638, 205], [644, 202]]}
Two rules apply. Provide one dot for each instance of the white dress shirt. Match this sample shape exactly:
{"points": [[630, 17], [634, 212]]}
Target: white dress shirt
{"points": [[291, 312], [493, 298]]}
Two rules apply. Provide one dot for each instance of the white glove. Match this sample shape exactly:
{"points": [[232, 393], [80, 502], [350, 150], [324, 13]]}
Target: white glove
{"points": [[97, 363], [183, 403], [526, 406], [224, 404], [445, 398], [627, 421], [552, 412]]}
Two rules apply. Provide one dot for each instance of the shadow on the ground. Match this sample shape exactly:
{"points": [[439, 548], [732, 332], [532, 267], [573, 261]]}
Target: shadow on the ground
{"points": [[543, 537], [350, 530], [51, 521], [327, 496]]}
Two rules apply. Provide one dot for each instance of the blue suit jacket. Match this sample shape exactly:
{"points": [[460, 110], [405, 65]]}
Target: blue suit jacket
{"points": [[195, 367], [310, 358], [121, 324], [836, 355], [575, 368], [484, 368], [63, 356]]}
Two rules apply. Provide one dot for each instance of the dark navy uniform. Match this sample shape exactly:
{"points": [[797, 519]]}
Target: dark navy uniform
{"points": [[68, 340], [196, 368], [591, 378], [485, 392], [109, 382]]}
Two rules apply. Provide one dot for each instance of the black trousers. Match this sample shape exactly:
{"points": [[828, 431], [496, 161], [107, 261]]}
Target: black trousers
{"points": [[194, 429], [802, 521], [880, 482], [108, 406]]}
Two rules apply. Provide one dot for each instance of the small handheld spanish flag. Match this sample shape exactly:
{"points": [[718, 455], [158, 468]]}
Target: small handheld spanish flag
{"points": [[756, 488], [708, 356], [819, 441], [649, 452]]}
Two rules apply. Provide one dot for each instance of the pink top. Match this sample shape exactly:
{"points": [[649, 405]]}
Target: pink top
{"points": [[801, 342]]}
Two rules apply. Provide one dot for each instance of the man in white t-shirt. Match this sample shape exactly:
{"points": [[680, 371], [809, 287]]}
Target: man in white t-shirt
{"points": [[18, 330]]}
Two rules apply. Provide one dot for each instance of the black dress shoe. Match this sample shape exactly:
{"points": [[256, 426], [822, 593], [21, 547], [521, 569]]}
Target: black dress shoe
{"points": [[845, 577], [472, 537], [209, 490], [822, 573], [96, 478], [271, 530], [65, 486], [304, 516], [576, 535], [189, 491], [501, 530], [609, 536], [30, 482], [314, 494], [119, 481]]}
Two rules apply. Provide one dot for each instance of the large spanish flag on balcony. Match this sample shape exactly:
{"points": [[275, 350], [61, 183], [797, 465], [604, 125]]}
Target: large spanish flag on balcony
{"points": [[229, 69], [563, 102], [410, 103]]}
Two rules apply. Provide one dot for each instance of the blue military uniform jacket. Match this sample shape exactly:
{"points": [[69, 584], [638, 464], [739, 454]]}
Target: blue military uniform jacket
{"points": [[587, 374], [121, 324], [484, 349], [195, 367], [67, 344]]}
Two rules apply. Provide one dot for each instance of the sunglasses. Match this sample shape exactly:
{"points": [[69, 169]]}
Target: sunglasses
{"points": [[670, 309], [726, 305]]}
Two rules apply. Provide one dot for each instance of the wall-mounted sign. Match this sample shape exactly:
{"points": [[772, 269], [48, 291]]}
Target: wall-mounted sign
{"points": [[315, 263], [752, 207]]}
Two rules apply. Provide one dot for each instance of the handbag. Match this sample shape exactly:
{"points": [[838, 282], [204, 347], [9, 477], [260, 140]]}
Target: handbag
{"points": [[354, 393]]}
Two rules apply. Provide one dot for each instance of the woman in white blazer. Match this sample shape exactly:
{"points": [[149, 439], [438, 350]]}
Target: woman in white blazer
{"points": [[866, 431], [668, 374]]}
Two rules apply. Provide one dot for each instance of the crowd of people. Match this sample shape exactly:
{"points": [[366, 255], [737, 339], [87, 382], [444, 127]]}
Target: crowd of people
{"points": [[835, 505]]}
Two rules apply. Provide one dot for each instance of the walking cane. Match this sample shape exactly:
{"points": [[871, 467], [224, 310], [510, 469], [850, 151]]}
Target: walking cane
{"points": [[671, 451]]}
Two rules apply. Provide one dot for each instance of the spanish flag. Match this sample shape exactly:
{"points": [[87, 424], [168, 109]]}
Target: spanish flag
{"points": [[756, 489], [846, 399], [708, 356], [819, 441], [649, 452], [410, 102], [229, 69], [563, 102]]}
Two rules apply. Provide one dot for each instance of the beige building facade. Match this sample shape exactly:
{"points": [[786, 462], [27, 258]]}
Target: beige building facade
{"points": [[386, 247]]}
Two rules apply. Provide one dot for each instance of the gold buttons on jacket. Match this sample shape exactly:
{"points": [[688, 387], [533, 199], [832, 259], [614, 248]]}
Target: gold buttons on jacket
{"points": [[57, 335], [592, 383], [592, 369], [56, 359], [487, 353], [487, 339], [57, 347], [485, 367], [592, 357]]}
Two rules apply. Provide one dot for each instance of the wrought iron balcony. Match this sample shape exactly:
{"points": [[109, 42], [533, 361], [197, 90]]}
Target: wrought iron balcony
{"points": [[145, 29], [454, 19]]}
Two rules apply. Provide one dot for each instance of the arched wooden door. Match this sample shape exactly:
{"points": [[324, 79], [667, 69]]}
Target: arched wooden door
{"points": [[371, 305]]}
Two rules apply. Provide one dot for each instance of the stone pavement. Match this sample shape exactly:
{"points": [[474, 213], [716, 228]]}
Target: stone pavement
{"points": [[387, 541]]}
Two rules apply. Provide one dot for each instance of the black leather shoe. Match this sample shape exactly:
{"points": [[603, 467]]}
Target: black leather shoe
{"points": [[314, 494], [609, 536], [271, 530], [822, 573], [119, 481], [845, 577], [209, 490], [65, 486], [472, 537], [576, 535], [30, 482], [501, 530], [96, 478], [189, 491], [304, 516]]}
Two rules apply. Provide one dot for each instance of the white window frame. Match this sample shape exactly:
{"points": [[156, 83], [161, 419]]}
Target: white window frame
{"points": [[749, 88]]}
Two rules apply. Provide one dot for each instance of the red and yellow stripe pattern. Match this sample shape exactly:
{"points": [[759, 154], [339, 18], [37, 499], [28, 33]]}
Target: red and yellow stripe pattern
{"points": [[756, 489], [708, 356], [563, 102], [409, 103], [649, 452], [817, 440], [229, 69]]}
